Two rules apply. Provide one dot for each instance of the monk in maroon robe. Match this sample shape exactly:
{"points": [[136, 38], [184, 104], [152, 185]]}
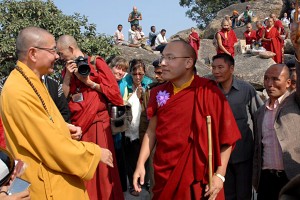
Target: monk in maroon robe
{"points": [[260, 30], [89, 109], [194, 40], [249, 34], [226, 39], [177, 112], [272, 40]]}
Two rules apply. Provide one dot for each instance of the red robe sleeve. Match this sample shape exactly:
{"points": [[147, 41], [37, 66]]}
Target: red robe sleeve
{"points": [[108, 83]]}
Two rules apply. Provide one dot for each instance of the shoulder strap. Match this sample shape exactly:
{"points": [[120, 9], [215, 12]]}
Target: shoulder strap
{"points": [[93, 61]]}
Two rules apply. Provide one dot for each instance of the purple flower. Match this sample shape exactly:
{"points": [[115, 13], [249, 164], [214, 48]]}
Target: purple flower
{"points": [[162, 97]]}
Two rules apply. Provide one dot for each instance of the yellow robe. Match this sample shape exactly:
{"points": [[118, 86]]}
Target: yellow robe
{"points": [[57, 165]]}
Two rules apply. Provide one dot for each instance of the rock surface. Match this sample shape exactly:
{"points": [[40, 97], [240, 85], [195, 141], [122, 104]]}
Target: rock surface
{"points": [[252, 69], [138, 53]]}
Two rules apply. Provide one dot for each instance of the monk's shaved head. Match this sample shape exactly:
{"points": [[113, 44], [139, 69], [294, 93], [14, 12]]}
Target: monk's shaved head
{"points": [[186, 48], [258, 23], [66, 41], [282, 68], [30, 37]]}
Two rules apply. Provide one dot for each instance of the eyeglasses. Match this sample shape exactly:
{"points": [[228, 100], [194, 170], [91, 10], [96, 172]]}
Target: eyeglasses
{"points": [[138, 74], [170, 58], [50, 50]]}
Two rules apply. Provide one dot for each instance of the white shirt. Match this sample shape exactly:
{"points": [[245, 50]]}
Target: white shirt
{"points": [[285, 20], [160, 40], [118, 36]]}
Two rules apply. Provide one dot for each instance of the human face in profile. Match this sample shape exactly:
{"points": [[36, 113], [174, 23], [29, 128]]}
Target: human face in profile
{"points": [[46, 55], [158, 73]]}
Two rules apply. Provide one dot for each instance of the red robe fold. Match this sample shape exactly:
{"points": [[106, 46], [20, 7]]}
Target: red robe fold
{"points": [[92, 116], [181, 156], [228, 42], [275, 45], [259, 33], [278, 25], [250, 36], [195, 43]]}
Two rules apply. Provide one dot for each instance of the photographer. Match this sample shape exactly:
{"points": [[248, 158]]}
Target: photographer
{"points": [[89, 89]]}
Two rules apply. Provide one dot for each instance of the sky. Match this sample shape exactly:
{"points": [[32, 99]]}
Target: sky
{"points": [[107, 14]]}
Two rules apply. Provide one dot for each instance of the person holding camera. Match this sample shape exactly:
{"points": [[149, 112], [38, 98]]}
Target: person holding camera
{"points": [[89, 89]]}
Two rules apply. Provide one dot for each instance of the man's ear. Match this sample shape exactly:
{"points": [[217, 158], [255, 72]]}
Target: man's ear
{"points": [[71, 49], [232, 68], [32, 54], [190, 63]]}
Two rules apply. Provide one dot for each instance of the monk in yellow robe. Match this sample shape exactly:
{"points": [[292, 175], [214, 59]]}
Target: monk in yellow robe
{"points": [[35, 130]]}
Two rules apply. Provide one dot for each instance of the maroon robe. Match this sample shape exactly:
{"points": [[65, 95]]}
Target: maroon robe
{"points": [[92, 116], [250, 36], [259, 33], [181, 157], [228, 42], [275, 45], [195, 43], [278, 25]]}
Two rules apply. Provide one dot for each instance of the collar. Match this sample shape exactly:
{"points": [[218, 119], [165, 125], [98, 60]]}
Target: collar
{"points": [[277, 102], [185, 85], [234, 85]]}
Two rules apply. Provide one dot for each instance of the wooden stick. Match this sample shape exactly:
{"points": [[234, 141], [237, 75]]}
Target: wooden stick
{"points": [[208, 123]]}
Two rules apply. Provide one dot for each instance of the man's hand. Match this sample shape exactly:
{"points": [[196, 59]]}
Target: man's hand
{"points": [[217, 185], [139, 91], [106, 157], [18, 196], [138, 178], [75, 131], [71, 67]]}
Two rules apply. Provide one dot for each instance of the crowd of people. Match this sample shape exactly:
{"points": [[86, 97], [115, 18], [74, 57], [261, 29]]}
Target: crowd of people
{"points": [[156, 41], [63, 131]]}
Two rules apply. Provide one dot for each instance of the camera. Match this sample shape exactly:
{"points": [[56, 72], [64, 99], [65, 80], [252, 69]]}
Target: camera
{"points": [[83, 66]]}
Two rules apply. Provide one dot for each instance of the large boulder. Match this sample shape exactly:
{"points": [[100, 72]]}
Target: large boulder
{"points": [[252, 69], [261, 9], [207, 51], [288, 47], [138, 53], [184, 34]]}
